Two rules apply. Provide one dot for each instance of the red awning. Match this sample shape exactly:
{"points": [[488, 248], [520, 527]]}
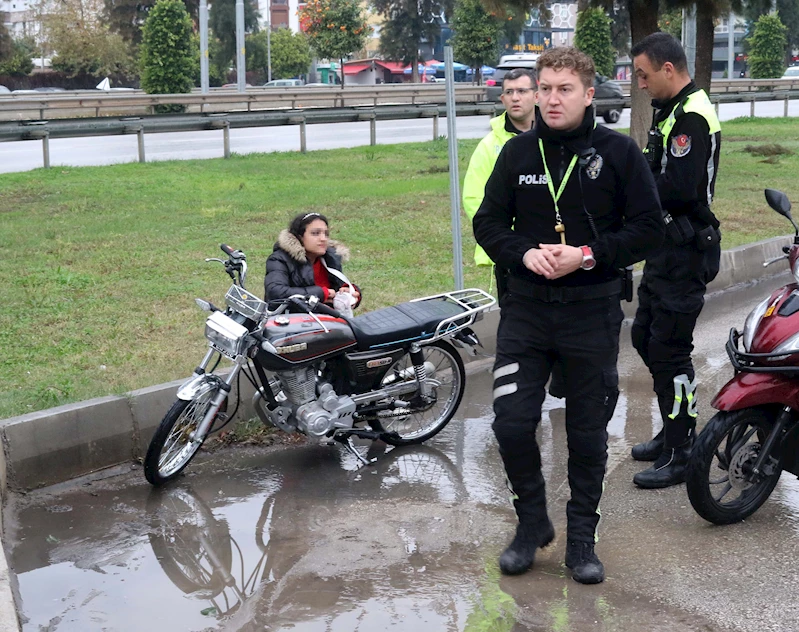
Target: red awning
{"points": [[354, 69], [392, 66]]}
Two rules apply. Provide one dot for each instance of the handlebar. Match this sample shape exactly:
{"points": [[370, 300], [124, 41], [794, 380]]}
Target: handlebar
{"points": [[236, 262], [766, 264]]}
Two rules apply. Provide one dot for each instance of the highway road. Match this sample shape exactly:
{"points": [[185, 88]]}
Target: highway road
{"points": [[27, 155]]}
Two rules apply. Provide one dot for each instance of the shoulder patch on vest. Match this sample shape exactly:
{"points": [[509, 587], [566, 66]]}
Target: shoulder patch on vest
{"points": [[680, 145]]}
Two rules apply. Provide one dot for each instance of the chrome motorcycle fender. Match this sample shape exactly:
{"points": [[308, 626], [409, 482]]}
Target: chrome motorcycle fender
{"points": [[197, 385]]}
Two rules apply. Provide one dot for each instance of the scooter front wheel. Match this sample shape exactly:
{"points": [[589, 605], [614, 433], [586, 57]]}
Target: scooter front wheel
{"points": [[719, 474], [172, 447]]}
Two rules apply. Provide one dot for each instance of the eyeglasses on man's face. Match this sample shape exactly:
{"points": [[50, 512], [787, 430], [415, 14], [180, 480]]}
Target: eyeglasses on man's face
{"points": [[520, 91]]}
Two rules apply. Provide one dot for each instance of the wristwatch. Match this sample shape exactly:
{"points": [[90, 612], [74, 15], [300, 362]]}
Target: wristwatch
{"points": [[588, 258]]}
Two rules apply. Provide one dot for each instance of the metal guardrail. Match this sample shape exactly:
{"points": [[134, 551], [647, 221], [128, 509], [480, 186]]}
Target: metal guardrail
{"points": [[739, 85], [51, 105], [141, 125], [71, 104]]}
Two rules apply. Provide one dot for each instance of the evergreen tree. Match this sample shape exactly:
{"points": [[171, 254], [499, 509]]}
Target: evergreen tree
{"points": [[409, 23], [592, 36], [127, 17], [167, 60], [767, 48], [477, 32]]}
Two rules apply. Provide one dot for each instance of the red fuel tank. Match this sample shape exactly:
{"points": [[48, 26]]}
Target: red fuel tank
{"points": [[298, 339]]}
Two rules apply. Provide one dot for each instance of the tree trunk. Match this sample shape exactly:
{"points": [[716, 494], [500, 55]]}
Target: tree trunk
{"points": [[415, 69], [341, 65], [643, 21], [705, 28]]}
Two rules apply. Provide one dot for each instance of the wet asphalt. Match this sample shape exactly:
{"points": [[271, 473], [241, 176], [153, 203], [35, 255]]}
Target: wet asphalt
{"points": [[303, 538]]}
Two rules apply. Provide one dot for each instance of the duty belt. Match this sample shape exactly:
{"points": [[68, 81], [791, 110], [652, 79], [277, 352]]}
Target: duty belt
{"points": [[563, 294]]}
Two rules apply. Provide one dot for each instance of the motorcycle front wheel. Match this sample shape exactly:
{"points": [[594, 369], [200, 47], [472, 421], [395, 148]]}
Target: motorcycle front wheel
{"points": [[421, 422], [717, 477], [171, 448]]}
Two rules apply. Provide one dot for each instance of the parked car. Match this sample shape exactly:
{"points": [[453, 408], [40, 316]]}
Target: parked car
{"points": [[284, 83], [4, 90], [49, 89], [792, 72], [506, 64], [604, 87]]}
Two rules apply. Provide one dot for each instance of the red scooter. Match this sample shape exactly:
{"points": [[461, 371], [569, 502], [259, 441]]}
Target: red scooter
{"points": [[738, 457]]}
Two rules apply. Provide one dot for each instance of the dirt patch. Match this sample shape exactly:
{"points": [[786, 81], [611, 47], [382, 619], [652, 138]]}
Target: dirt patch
{"points": [[435, 169], [252, 433], [769, 149]]}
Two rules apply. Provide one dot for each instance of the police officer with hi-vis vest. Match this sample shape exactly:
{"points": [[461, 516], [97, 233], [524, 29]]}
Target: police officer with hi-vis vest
{"points": [[683, 153]]}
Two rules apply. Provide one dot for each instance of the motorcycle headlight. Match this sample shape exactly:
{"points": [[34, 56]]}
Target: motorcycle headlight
{"points": [[752, 321], [225, 334]]}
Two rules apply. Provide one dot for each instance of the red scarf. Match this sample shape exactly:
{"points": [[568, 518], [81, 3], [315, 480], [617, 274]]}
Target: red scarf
{"points": [[321, 277]]}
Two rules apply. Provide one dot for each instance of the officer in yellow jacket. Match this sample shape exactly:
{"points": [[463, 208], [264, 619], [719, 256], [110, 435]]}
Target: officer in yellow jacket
{"points": [[518, 97], [683, 154]]}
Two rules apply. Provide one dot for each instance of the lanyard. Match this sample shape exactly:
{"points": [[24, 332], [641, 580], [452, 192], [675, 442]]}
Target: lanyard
{"points": [[559, 227]]}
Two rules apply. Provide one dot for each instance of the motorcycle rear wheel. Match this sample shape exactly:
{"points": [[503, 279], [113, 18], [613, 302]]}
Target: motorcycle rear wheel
{"points": [[171, 447], [721, 458], [420, 424]]}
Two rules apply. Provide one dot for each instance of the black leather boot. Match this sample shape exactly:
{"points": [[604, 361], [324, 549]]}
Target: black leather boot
{"points": [[668, 470], [518, 558], [583, 562], [649, 450]]}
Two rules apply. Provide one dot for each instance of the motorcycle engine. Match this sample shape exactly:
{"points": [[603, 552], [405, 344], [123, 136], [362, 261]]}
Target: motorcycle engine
{"points": [[328, 412]]}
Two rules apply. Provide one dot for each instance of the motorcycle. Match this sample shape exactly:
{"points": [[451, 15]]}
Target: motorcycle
{"points": [[393, 374], [738, 457]]}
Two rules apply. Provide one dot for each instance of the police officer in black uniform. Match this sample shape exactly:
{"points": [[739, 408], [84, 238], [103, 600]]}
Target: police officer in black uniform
{"points": [[567, 205], [683, 153]]}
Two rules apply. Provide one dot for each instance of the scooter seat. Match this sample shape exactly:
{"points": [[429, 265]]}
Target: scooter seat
{"points": [[405, 322]]}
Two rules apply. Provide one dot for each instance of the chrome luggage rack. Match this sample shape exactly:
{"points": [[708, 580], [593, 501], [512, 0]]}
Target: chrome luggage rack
{"points": [[472, 300]]}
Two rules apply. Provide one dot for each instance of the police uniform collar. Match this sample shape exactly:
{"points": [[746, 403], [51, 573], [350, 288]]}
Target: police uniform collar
{"points": [[664, 107], [577, 141]]}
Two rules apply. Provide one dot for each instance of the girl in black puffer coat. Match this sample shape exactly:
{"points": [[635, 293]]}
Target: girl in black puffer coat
{"points": [[302, 259]]}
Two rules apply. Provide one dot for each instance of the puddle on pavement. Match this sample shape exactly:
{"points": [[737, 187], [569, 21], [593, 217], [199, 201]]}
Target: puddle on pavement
{"points": [[305, 539]]}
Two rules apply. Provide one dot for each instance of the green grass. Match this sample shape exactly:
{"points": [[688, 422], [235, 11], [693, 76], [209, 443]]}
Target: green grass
{"points": [[101, 265]]}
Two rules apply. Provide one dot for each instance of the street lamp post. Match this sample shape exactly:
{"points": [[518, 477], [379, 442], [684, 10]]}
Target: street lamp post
{"points": [[268, 41]]}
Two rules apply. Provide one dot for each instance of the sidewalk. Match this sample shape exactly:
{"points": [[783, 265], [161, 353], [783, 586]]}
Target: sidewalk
{"points": [[50, 446]]}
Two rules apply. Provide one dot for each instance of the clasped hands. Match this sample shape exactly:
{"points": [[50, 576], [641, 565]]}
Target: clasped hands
{"points": [[553, 261]]}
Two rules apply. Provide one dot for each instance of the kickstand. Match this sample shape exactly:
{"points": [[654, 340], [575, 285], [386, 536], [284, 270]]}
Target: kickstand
{"points": [[347, 443]]}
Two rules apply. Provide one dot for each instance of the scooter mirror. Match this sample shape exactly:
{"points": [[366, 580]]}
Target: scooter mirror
{"points": [[779, 202]]}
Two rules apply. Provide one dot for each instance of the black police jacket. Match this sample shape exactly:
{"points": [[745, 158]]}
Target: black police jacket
{"points": [[614, 185], [687, 181]]}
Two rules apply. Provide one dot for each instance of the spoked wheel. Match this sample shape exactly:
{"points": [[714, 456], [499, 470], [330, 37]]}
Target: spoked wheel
{"points": [[171, 448], [425, 420], [718, 478]]}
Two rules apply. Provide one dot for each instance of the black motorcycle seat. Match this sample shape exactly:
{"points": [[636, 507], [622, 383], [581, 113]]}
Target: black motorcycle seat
{"points": [[405, 322]]}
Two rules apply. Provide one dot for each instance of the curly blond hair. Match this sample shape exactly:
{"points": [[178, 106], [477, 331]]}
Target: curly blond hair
{"points": [[571, 58]]}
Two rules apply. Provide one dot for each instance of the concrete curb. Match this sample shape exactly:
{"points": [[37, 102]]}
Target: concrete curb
{"points": [[50, 446]]}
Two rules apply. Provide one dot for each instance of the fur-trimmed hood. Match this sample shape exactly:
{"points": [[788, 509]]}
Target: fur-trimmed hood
{"points": [[294, 248]]}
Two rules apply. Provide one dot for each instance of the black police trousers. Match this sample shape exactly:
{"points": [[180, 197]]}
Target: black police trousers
{"points": [[583, 336], [670, 299]]}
